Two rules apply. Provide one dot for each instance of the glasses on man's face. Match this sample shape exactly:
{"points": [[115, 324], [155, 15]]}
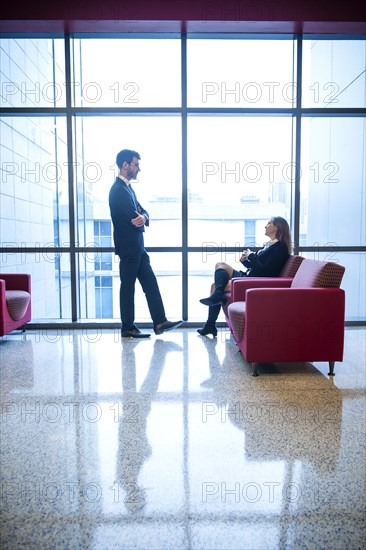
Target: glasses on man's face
{"points": [[136, 164]]}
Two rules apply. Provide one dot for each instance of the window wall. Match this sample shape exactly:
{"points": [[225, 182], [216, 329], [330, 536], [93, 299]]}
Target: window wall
{"points": [[232, 129]]}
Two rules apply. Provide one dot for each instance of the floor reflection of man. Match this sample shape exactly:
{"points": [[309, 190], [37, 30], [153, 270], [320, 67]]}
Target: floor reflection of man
{"points": [[133, 444]]}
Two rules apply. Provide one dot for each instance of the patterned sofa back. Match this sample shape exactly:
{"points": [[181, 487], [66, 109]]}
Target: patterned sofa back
{"points": [[316, 274], [291, 266]]}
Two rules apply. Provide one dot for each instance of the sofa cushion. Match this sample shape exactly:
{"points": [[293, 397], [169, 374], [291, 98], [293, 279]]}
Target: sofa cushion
{"points": [[17, 302], [315, 274]]}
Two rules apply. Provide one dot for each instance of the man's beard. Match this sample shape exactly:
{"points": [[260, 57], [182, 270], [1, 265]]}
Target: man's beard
{"points": [[131, 176]]}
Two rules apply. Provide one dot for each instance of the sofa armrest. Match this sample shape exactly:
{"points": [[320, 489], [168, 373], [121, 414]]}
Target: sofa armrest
{"points": [[17, 281], [300, 319], [240, 285], [2, 290], [290, 324]]}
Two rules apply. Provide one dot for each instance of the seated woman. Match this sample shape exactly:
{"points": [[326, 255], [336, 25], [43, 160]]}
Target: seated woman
{"points": [[267, 262]]}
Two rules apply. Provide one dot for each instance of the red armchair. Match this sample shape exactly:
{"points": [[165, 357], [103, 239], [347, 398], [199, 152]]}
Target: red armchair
{"points": [[15, 301], [301, 323]]}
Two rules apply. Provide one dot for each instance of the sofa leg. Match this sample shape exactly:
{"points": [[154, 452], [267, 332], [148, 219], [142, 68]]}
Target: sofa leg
{"points": [[255, 369], [331, 368]]}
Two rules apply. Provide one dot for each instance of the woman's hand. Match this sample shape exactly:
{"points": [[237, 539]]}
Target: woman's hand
{"points": [[245, 254]]}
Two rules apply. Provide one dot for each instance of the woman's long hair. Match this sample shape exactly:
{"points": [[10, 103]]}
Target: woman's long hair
{"points": [[283, 231]]}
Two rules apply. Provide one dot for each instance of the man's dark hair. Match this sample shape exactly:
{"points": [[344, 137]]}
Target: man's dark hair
{"points": [[126, 155]]}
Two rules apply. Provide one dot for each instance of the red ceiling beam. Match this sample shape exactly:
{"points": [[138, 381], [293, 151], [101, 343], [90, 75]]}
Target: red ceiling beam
{"points": [[184, 15]]}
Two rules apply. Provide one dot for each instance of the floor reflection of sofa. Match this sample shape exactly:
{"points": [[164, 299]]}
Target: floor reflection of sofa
{"points": [[290, 418], [302, 424], [16, 368]]}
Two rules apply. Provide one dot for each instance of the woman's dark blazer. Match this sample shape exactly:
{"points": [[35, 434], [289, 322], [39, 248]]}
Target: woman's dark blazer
{"points": [[267, 262]]}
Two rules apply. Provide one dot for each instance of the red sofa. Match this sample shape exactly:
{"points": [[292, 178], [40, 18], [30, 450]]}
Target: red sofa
{"points": [[290, 320], [15, 301]]}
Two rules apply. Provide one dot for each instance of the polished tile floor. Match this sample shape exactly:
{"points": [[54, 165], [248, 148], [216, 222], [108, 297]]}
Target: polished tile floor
{"points": [[170, 443]]}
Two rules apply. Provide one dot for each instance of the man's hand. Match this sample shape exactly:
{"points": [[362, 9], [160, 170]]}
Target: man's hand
{"points": [[139, 221]]}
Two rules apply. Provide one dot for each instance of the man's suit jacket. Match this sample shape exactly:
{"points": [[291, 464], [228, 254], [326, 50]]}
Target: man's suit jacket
{"points": [[123, 205]]}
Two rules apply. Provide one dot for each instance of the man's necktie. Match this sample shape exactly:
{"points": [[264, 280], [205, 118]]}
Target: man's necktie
{"points": [[133, 196]]}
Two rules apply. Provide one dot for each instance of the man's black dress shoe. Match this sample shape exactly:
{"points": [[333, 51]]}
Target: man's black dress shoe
{"points": [[167, 325], [134, 333]]}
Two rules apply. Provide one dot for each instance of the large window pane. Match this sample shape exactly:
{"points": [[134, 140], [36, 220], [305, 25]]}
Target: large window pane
{"points": [[240, 73], [99, 288], [333, 73], [34, 188], [127, 73], [240, 170], [159, 189], [32, 72], [333, 169]]}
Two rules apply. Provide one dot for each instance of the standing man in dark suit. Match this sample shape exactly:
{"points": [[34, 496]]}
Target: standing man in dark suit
{"points": [[129, 220]]}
